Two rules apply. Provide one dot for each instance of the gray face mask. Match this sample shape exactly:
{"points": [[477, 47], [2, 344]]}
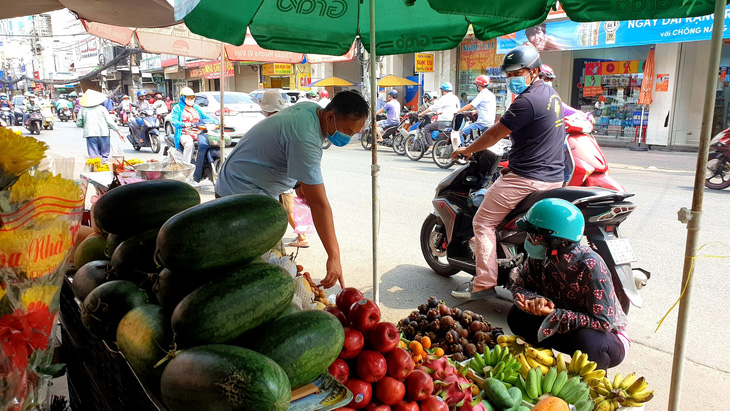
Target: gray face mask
{"points": [[538, 252]]}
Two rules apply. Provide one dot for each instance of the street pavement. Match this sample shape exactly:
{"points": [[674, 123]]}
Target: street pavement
{"points": [[662, 182]]}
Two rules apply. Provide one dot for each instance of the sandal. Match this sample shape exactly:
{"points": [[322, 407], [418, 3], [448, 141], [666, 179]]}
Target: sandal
{"points": [[298, 244]]}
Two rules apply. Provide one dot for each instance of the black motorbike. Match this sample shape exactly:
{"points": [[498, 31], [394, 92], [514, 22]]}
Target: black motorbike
{"points": [[212, 164], [416, 144], [65, 114], [34, 124], [447, 236], [143, 131], [6, 117]]}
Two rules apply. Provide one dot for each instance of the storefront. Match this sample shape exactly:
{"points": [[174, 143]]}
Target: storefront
{"points": [[480, 57]]}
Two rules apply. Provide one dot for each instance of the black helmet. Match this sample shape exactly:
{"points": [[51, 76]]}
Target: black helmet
{"points": [[521, 57], [426, 96]]}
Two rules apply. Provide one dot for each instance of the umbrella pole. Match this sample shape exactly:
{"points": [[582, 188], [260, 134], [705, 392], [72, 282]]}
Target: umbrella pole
{"points": [[221, 142], [693, 225], [374, 168]]}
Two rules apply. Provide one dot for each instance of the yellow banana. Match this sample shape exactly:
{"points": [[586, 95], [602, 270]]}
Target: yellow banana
{"points": [[628, 380], [540, 357], [607, 383], [639, 385], [546, 351], [506, 339], [534, 364], [631, 403], [590, 366], [642, 396], [574, 362], [604, 405], [582, 361], [617, 380], [594, 375], [561, 362], [525, 365]]}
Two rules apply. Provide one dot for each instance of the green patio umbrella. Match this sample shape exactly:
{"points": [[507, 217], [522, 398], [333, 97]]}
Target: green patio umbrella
{"points": [[406, 26]]}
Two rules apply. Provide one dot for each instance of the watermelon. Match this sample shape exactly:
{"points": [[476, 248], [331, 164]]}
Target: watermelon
{"points": [[133, 259], [304, 344], [226, 307], [88, 277], [112, 242], [226, 233], [170, 288], [224, 377], [143, 335], [107, 304], [134, 208], [91, 249]]}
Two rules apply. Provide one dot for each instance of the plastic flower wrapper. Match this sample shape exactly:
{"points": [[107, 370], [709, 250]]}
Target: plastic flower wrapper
{"points": [[41, 192], [17, 155]]}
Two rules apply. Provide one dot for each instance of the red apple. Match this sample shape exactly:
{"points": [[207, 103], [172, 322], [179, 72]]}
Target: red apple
{"points": [[434, 403], [354, 341], [406, 405], [337, 313], [390, 391], [384, 337], [377, 407], [344, 409], [400, 363], [346, 298], [419, 385], [371, 366], [340, 370], [361, 391], [364, 315]]}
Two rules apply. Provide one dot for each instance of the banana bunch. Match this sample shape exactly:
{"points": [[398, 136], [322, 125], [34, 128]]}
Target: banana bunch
{"points": [[514, 343], [580, 366], [497, 363], [557, 384], [540, 358], [628, 391]]}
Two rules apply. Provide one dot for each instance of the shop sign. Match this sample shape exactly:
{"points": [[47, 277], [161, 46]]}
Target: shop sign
{"points": [[158, 78], [569, 35], [213, 70], [304, 80], [479, 55], [274, 69], [662, 82], [637, 120], [196, 72], [150, 63], [592, 91], [424, 63]]}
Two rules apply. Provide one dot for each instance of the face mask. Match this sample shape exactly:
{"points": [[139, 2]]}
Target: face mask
{"points": [[339, 138], [517, 85], [189, 102], [538, 252]]}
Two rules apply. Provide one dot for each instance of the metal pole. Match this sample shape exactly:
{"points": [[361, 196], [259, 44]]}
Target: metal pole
{"points": [[221, 142], [693, 226], [374, 168]]}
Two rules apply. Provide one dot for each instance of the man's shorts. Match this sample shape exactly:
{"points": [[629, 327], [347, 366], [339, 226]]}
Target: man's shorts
{"points": [[383, 124], [287, 200]]}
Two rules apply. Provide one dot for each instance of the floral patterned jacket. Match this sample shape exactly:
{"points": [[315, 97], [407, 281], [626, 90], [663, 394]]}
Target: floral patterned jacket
{"points": [[578, 282]]}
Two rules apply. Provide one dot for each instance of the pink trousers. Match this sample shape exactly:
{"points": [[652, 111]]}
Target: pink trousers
{"points": [[500, 199]]}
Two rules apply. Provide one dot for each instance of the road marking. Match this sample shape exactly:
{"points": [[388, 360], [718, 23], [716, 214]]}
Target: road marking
{"points": [[642, 168]]}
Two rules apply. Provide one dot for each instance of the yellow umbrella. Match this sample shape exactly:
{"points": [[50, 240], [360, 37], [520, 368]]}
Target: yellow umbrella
{"points": [[331, 82], [393, 81]]}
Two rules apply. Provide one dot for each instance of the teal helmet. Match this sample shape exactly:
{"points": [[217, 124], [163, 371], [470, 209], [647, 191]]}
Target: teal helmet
{"points": [[554, 217]]}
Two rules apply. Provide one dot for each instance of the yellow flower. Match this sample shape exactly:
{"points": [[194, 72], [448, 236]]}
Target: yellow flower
{"points": [[18, 153], [58, 190], [38, 293]]}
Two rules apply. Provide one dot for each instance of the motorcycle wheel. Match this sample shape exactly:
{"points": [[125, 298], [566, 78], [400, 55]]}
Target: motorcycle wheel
{"points": [[717, 175], [214, 170], [415, 148], [137, 147], [155, 143], [326, 143], [433, 237], [50, 127], [442, 150], [169, 130], [366, 139], [399, 144]]}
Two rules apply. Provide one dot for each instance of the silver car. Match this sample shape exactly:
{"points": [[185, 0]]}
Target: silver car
{"points": [[290, 96], [241, 112]]}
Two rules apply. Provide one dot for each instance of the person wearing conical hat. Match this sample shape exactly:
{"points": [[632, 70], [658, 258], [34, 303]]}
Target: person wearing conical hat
{"points": [[96, 121]]}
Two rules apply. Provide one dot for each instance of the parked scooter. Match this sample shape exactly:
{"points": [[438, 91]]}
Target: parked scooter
{"points": [[586, 164], [35, 121], [47, 114], [211, 166], [143, 131], [717, 175], [65, 114], [447, 237]]}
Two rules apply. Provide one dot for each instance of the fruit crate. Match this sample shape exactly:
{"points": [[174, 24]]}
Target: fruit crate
{"points": [[99, 378]]}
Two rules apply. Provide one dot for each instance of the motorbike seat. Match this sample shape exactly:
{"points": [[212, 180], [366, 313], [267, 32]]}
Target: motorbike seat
{"points": [[566, 193]]}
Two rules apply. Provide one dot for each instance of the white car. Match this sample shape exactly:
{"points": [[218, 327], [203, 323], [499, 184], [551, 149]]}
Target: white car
{"points": [[241, 112], [291, 96]]}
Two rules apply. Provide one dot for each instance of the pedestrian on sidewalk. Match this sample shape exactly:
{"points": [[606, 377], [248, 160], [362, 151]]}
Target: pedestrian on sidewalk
{"points": [[96, 122]]}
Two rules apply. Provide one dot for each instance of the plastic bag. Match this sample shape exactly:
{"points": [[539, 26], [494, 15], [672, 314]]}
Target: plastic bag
{"points": [[116, 145], [303, 217]]}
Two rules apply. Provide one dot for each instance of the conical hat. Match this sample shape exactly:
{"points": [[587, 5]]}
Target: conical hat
{"points": [[92, 98]]}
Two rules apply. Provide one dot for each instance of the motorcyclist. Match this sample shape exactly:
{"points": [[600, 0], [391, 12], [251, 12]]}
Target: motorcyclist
{"points": [[62, 103], [30, 105], [160, 106], [184, 117], [445, 107], [534, 122], [141, 103], [392, 109], [564, 295], [485, 104], [324, 98], [5, 101], [126, 103]]}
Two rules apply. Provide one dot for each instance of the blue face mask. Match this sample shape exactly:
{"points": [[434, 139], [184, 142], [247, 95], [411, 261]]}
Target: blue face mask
{"points": [[339, 138], [538, 252], [517, 85]]}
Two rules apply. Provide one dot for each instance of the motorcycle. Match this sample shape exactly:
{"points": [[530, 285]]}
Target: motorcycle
{"points": [[65, 114], [585, 162], [366, 139], [447, 236], [416, 144], [443, 148], [35, 121], [6, 117], [717, 175], [47, 114], [143, 131], [211, 166]]}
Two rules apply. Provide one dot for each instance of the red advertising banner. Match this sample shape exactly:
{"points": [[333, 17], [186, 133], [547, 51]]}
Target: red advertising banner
{"points": [[213, 70]]}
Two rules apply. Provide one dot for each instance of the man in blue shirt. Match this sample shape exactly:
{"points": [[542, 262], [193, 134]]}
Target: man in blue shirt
{"points": [[535, 125], [285, 151], [485, 104], [392, 111]]}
